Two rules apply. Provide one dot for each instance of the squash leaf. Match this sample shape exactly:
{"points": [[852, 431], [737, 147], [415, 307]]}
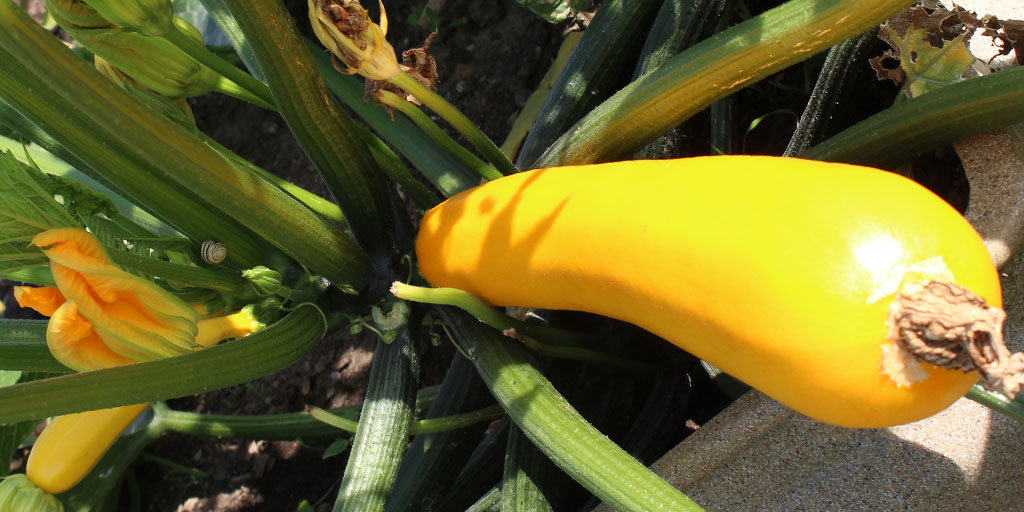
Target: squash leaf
{"points": [[26, 208], [930, 47]]}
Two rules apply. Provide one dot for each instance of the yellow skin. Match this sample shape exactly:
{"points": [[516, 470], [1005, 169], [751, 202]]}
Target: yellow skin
{"points": [[778, 271], [71, 445]]}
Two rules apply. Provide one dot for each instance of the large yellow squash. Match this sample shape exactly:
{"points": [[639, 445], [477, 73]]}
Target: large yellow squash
{"points": [[779, 271]]}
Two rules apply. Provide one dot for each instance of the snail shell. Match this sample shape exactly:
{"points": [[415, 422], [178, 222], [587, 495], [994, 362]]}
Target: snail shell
{"points": [[213, 252]]}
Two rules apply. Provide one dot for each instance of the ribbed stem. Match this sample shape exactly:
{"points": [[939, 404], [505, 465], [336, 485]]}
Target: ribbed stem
{"points": [[23, 347], [692, 80], [226, 364], [383, 430], [554, 427], [939, 117]]}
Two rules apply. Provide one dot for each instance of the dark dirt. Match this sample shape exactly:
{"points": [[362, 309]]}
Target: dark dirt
{"points": [[491, 56]]}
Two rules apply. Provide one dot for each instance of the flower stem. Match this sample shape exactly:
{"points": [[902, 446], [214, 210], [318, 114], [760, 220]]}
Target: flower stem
{"points": [[547, 341], [425, 426], [255, 91], [431, 129], [1010, 408], [457, 119], [488, 314]]}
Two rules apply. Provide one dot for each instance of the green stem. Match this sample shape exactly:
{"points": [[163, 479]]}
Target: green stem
{"points": [[1010, 408], [254, 91], [689, 82], [942, 116], [431, 129], [489, 315], [383, 428], [320, 126], [227, 364], [457, 119], [425, 426], [554, 427], [196, 276], [265, 426], [313, 201], [23, 347]]}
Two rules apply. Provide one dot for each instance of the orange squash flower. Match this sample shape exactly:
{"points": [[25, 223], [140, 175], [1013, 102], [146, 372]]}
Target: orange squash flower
{"points": [[102, 316]]}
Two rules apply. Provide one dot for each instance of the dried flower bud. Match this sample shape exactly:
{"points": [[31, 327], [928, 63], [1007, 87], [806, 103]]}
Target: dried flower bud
{"points": [[344, 27]]}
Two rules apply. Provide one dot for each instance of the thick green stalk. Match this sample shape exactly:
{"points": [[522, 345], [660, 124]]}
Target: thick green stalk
{"points": [[457, 119], [265, 352], [231, 283], [718, 66], [433, 460], [554, 427], [384, 427], [319, 125], [161, 164], [942, 116], [599, 65], [824, 97], [23, 347], [526, 478]]}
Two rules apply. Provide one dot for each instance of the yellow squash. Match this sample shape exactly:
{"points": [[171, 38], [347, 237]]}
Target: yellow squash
{"points": [[779, 271], [71, 445]]}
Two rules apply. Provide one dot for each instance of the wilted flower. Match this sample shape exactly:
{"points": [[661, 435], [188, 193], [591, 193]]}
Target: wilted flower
{"points": [[344, 27]]}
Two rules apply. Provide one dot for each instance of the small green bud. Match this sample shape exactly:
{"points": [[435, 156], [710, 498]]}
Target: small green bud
{"points": [[264, 281], [149, 17], [19, 494]]}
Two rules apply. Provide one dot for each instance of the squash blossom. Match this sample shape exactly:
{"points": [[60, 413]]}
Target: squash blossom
{"points": [[102, 316], [344, 27]]}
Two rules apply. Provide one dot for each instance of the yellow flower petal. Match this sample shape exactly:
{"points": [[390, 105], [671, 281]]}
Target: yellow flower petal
{"points": [[43, 299], [133, 316], [74, 343], [236, 325]]}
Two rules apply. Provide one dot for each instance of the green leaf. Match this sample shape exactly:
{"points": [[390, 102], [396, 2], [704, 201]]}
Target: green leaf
{"points": [[26, 208], [337, 447]]}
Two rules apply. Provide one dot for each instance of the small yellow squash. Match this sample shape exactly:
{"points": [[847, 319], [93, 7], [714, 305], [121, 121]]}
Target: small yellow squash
{"points": [[779, 271], [71, 445]]}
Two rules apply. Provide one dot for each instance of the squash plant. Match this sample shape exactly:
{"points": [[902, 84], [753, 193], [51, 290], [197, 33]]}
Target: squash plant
{"points": [[121, 153]]}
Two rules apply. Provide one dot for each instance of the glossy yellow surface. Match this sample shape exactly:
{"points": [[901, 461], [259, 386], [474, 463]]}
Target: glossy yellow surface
{"points": [[778, 271], [71, 445]]}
